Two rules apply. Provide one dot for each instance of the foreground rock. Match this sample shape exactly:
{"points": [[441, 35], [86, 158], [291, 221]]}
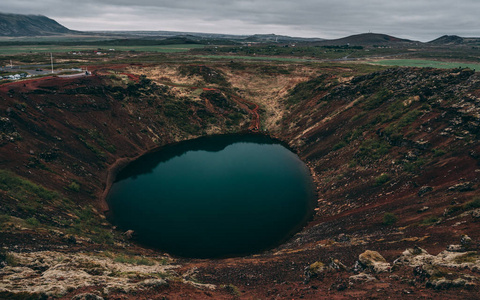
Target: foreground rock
{"points": [[448, 269], [373, 261], [55, 274]]}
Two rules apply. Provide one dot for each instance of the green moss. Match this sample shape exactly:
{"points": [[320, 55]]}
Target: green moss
{"points": [[306, 90], [389, 219], [231, 289], [8, 258], [4, 219], [22, 189], [382, 179], [74, 187], [438, 152], [372, 150], [469, 257], [430, 220], [99, 138], [475, 203], [377, 99], [32, 222], [339, 145], [99, 153], [453, 209], [90, 225], [415, 166]]}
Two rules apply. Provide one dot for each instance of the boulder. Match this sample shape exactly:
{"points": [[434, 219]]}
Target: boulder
{"points": [[336, 265], [314, 270], [374, 261], [153, 283], [476, 213], [445, 284], [423, 190], [455, 248], [466, 241], [318, 269], [342, 237], [129, 234], [414, 257], [362, 277], [462, 187]]}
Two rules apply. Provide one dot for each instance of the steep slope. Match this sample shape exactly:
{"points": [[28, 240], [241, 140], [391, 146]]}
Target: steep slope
{"points": [[394, 154], [29, 25]]}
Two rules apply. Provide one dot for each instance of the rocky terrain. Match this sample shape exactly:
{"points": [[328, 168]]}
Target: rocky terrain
{"points": [[394, 154]]}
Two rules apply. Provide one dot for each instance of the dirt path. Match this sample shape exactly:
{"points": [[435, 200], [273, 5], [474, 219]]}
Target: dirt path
{"points": [[255, 122]]}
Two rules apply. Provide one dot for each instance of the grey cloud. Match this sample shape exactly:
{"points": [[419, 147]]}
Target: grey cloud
{"points": [[418, 19]]}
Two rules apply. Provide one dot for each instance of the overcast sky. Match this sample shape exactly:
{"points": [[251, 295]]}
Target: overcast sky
{"points": [[422, 20]]}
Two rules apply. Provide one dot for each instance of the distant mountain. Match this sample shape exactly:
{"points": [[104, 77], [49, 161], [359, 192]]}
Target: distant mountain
{"points": [[265, 38], [29, 25], [455, 40], [365, 39]]}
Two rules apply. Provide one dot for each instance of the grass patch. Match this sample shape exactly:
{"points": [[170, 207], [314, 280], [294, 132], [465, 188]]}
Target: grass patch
{"points": [[427, 64], [470, 205], [99, 138], [372, 150], [32, 222], [306, 90], [89, 225], [99, 153], [453, 209], [8, 258], [382, 179], [377, 99], [231, 289], [475, 203], [416, 166], [438, 152], [264, 58], [3, 219], [430, 221], [22, 189], [74, 187], [469, 257], [339, 145], [389, 219], [12, 50]]}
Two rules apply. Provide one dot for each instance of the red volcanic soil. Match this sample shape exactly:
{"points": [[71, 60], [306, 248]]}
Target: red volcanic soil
{"points": [[59, 130]]}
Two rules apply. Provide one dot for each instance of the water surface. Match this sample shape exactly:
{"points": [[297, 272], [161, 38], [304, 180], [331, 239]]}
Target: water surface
{"points": [[214, 197]]}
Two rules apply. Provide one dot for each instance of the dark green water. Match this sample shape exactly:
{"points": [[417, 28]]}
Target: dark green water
{"points": [[214, 197]]}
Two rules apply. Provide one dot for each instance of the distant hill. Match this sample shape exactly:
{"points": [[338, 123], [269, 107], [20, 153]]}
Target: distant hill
{"points": [[455, 40], [29, 25], [365, 39], [265, 38], [447, 40]]}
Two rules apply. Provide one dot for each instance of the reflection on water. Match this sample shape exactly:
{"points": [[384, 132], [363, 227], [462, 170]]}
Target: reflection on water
{"points": [[214, 197]]}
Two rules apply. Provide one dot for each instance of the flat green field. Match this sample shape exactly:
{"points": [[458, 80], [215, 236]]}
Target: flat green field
{"points": [[427, 64], [11, 50], [267, 58]]}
